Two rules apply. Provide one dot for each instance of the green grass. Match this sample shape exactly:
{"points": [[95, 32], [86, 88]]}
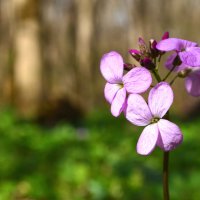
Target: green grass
{"points": [[94, 161]]}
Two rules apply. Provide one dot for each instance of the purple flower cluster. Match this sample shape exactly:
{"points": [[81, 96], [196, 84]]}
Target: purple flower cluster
{"points": [[126, 82], [189, 55]]}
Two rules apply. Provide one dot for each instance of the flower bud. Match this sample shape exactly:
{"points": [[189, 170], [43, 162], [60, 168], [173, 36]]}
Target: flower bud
{"points": [[154, 50], [165, 36], [153, 44], [184, 73], [135, 53], [142, 46], [128, 66], [147, 63]]}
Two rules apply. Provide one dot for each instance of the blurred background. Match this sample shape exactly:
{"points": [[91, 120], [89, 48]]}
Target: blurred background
{"points": [[58, 140]]}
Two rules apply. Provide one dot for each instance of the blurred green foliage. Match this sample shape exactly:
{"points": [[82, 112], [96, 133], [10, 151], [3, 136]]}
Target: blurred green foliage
{"points": [[93, 161]]}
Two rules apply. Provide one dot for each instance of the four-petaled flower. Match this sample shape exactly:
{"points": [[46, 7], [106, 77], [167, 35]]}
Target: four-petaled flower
{"points": [[158, 131], [137, 80], [188, 51]]}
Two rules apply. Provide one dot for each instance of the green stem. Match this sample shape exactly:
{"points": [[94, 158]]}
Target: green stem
{"points": [[166, 169], [159, 59], [172, 81], [168, 74], [165, 175], [157, 76], [155, 63]]}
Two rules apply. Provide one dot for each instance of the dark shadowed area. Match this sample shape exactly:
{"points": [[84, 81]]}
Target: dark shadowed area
{"points": [[58, 140]]}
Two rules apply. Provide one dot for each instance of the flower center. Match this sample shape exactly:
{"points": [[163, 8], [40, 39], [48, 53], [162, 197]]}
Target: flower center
{"points": [[154, 120], [121, 85], [183, 49]]}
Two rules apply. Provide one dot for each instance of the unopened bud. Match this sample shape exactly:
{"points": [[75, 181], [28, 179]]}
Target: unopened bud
{"points": [[135, 53], [153, 44], [184, 73], [165, 36], [141, 41], [128, 66], [142, 46], [147, 63], [154, 51]]}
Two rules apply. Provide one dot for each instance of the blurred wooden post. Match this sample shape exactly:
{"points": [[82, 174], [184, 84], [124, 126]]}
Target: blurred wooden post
{"points": [[136, 26], [27, 64], [84, 26]]}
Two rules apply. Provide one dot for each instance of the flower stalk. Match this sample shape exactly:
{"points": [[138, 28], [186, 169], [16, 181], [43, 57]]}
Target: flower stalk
{"points": [[168, 74], [157, 76], [165, 175], [172, 81], [166, 170]]}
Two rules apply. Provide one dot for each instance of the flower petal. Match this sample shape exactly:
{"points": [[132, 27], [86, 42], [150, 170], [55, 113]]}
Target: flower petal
{"points": [[111, 67], [160, 99], [192, 83], [137, 111], [170, 135], [169, 64], [110, 91], [171, 44], [148, 139], [118, 102], [191, 56], [137, 80]]}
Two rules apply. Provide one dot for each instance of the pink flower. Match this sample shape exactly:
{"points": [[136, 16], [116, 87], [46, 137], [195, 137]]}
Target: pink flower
{"points": [[118, 85], [192, 81], [189, 52], [158, 131]]}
